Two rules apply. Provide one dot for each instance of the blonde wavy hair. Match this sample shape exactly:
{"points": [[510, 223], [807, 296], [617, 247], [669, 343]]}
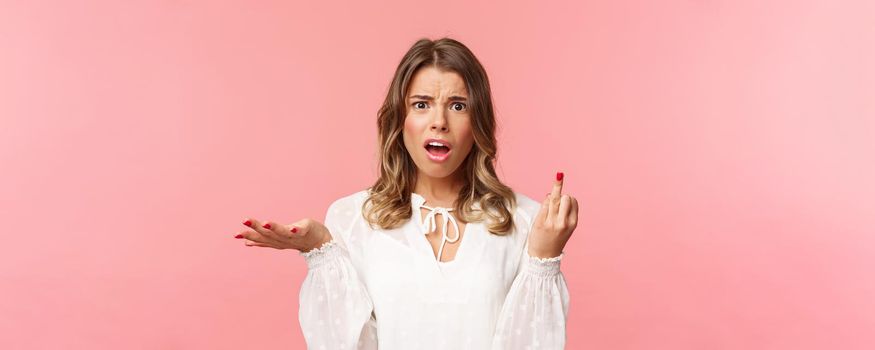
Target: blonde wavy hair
{"points": [[390, 196]]}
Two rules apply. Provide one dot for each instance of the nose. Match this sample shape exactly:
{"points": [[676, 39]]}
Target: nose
{"points": [[439, 122]]}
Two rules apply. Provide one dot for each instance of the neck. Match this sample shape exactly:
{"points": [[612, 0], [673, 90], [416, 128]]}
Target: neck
{"points": [[438, 191]]}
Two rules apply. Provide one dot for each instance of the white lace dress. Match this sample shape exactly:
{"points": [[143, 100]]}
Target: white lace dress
{"points": [[370, 289]]}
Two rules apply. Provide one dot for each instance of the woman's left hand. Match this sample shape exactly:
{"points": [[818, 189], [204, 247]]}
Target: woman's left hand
{"points": [[554, 223]]}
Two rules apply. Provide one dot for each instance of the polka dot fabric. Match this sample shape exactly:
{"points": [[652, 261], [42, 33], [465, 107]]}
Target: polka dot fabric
{"points": [[384, 289]]}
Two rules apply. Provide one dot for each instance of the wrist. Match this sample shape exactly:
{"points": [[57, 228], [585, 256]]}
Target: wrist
{"points": [[319, 243], [321, 255], [543, 253]]}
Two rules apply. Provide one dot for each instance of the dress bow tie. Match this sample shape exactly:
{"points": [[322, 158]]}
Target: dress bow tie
{"points": [[429, 225]]}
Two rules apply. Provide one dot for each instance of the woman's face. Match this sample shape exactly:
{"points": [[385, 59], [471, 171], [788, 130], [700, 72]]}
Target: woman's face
{"points": [[437, 108]]}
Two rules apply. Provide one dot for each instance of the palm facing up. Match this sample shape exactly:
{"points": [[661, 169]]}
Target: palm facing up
{"points": [[303, 235]]}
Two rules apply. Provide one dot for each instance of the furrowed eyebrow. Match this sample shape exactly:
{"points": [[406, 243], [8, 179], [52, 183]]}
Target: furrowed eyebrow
{"points": [[430, 98]]}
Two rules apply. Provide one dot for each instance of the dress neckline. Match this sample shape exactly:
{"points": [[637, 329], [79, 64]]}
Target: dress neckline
{"points": [[428, 224], [416, 197], [419, 200]]}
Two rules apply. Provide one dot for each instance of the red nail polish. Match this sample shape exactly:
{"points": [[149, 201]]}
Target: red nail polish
{"points": [[294, 229], [559, 176], [238, 236], [267, 226], [248, 223]]}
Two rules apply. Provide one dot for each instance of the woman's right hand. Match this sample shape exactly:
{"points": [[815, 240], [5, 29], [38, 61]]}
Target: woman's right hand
{"points": [[303, 235]]}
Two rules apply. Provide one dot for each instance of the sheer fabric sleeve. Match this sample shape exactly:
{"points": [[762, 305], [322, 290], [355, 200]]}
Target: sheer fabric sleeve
{"points": [[535, 309], [335, 308]]}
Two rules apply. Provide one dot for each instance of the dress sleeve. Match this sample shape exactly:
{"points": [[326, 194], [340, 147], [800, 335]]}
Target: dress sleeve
{"points": [[335, 311], [536, 307]]}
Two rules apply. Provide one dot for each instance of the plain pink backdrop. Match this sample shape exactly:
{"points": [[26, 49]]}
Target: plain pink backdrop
{"points": [[723, 153]]}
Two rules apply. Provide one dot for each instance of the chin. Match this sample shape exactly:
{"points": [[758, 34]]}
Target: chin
{"points": [[437, 173], [436, 170]]}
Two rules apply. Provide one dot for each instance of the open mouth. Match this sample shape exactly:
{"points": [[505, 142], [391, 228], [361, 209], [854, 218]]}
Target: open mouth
{"points": [[437, 151]]}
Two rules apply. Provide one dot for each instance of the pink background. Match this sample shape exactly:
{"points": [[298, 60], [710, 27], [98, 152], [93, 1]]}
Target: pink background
{"points": [[722, 152]]}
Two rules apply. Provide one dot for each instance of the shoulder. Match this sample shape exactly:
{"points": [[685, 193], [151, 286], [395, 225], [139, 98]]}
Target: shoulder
{"points": [[348, 201], [343, 212], [526, 208], [524, 213]]}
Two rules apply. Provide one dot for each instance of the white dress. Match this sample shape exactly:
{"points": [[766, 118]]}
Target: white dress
{"points": [[369, 289]]}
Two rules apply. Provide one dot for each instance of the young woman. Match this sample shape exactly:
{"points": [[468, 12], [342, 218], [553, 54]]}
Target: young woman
{"points": [[438, 253]]}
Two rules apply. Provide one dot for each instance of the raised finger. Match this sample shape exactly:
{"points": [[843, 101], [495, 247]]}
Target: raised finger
{"points": [[555, 194], [557, 185]]}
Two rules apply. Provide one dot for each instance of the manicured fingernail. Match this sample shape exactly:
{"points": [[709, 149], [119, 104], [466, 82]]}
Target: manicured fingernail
{"points": [[267, 226], [238, 236], [248, 223], [559, 176], [294, 230]]}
